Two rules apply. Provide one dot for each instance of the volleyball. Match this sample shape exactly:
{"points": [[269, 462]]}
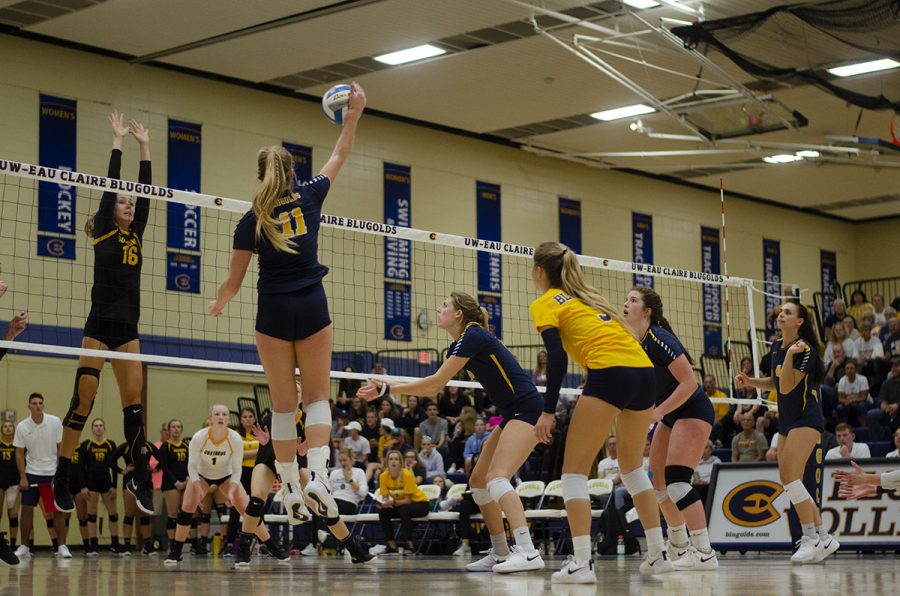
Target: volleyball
{"points": [[335, 102]]}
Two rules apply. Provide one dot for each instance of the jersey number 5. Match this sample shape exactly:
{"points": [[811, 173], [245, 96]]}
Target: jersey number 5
{"points": [[129, 255], [292, 224]]}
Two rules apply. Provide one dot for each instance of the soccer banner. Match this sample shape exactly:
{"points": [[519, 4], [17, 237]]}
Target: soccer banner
{"points": [[183, 230]]}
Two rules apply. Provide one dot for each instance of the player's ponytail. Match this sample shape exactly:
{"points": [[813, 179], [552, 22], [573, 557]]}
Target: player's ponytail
{"points": [[653, 301], [89, 227], [274, 173], [807, 332], [472, 312], [564, 272]]}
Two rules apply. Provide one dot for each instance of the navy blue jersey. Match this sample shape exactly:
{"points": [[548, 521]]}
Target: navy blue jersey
{"points": [[805, 395], [298, 215], [492, 365], [663, 348]]}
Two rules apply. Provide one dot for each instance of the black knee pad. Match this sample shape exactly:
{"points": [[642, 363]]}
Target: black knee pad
{"points": [[82, 523], [682, 476], [72, 419], [128, 520], [13, 522], [255, 507], [185, 518], [171, 523], [678, 474], [145, 520], [49, 523], [330, 521], [114, 518], [91, 518], [205, 518]]}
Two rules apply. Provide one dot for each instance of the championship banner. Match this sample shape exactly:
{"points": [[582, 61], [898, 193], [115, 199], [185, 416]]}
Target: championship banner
{"points": [[302, 157], [494, 307], [397, 311], [748, 509], [56, 202], [642, 241], [828, 264], [772, 277], [183, 220], [397, 253], [182, 272], [570, 223], [712, 294], [487, 214]]}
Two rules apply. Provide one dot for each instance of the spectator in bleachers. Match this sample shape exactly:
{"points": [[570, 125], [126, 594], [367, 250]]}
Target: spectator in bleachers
{"points": [[413, 415], [411, 462], [749, 444], [357, 445], [896, 452], [348, 484], [838, 312], [357, 411], [435, 427], [401, 498], [870, 351], [891, 345], [703, 471], [431, 459], [371, 431], [834, 372], [347, 389], [720, 409], [878, 308], [474, 443], [847, 445], [886, 417], [387, 409], [851, 327], [853, 395], [539, 375], [338, 430], [859, 305], [451, 404], [839, 336], [462, 430], [609, 468], [884, 328]]}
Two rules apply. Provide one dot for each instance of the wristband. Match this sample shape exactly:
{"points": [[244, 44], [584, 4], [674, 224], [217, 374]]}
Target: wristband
{"points": [[385, 389]]}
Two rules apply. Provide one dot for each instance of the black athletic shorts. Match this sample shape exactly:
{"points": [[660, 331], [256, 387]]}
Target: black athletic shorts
{"points": [[625, 387], [697, 406], [113, 334], [293, 316], [527, 410]]}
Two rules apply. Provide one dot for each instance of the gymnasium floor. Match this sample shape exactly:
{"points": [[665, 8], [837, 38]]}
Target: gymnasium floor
{"points": [[759, 575]]}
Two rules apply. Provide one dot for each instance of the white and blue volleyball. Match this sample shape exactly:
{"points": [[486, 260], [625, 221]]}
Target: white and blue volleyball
{"points": [[335, 102]]}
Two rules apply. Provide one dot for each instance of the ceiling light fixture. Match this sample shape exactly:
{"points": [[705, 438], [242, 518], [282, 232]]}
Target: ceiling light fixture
{"points": [[410, 55], [781, 158], [623, 112], [641, 3], [864, 67], [807, 153]]}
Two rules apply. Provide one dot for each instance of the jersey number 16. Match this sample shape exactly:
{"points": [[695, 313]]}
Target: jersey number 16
{"points": [[129, 254]]}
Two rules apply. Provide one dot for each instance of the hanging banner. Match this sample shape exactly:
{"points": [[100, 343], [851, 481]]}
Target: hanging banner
{"points": [[712, 294], [772, 277], [570, 223], [828, 264], [642, 240], [302, 157], [397, 252], [56, 202], [397, 311], [494, 307], [487, 214], [182, 272], [184, 174]]}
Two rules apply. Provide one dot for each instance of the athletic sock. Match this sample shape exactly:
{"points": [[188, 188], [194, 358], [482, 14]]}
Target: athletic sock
{"points": [[821, 531], [809, 530], [655, 542], [55, 543], [700, 540], [498, 542], [523, 539], [134, 436], [582, 545], [678, 535], [95, 542], [114, 540], [62, 467]]}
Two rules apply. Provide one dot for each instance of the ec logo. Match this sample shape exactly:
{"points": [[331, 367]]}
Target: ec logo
{"points": [[398, 331], [56, 247], [750, 504], [183, 282]]}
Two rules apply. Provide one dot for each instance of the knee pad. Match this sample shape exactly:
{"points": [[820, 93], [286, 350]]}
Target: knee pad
{"points": [[128, 520], [73, 419], [114, 518], [481, 496], [255, 507], [499, 486], [91, 518], [171, 523], [636, 482], [13, 522], [49, 523], [205, 518], [184, 518], [662, 496], [82, 523], [284, 426], [318, 412], [797, 493], [221, 509], [330, 521], [574, 486], [145, 520], [678, 485]]}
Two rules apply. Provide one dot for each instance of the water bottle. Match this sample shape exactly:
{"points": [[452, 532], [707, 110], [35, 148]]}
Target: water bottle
{"points": [[217, 545], [620, 546]]}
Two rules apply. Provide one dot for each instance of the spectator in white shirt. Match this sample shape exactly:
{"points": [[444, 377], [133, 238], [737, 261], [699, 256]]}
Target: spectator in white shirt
{"points": [[878, 306], [609, 465], [896, 452], [358, 445], [847, 445], [868, 347], [839, 336], [431, 459], [854, 401], [348, 484], [37, 441]]}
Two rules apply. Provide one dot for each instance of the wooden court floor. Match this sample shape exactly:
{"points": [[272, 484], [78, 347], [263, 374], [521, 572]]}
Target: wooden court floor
{"points": [[748, 575]]}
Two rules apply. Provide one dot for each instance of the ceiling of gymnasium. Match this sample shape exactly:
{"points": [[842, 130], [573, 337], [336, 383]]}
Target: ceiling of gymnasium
{"points": [[502, 77]]}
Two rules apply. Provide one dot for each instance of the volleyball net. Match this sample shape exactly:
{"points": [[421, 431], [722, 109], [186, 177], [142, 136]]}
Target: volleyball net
{"points": [[376, 318]]}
